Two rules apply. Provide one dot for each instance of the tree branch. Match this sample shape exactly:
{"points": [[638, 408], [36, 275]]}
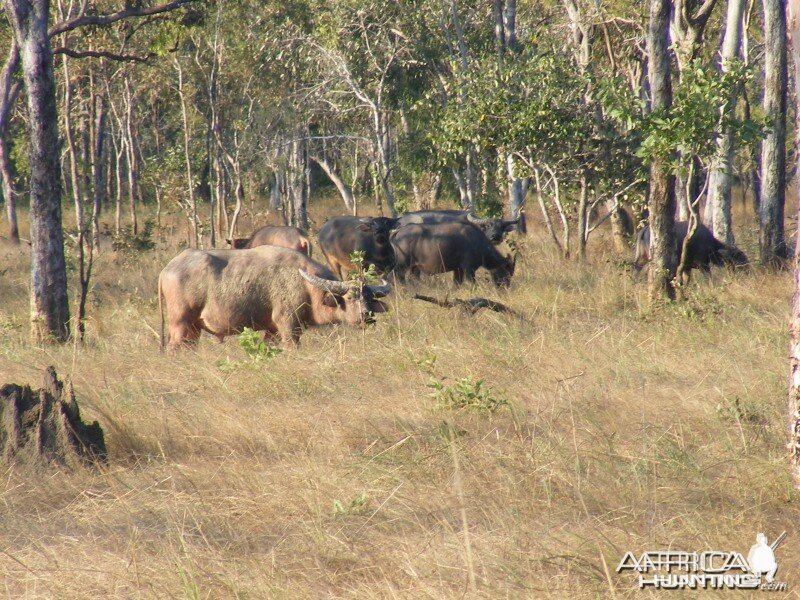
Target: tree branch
{"points": [[102, 54], [126, 13], [702, 14]]}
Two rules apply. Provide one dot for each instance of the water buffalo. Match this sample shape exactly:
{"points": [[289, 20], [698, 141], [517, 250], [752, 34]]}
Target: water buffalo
{"points": [[494, 229], [704, 249], [268, 288], [293, 238], [458, 247], [339, 237]]}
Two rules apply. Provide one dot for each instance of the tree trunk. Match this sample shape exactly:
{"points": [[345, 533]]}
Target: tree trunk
{"points": [[583, 215], [794, 323], [119, 152], [9, 90], [548, 222], [510, 19], [718, 204], [330, 171], [98, 170], [619, 227], [517, 189], [299, 168], [49, 302], [661, 202], [773, 150], [187, 152], [130, 151]]}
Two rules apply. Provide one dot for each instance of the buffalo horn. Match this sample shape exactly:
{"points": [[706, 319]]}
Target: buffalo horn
{"points": [[477, 221], [329, 285], [379, 291]]}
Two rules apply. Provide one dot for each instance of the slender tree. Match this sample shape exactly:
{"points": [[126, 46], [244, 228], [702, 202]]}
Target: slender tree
{"points": [[661, 202], [794, 323], [718, 205], [9, 90], [49, 304], [773, 150]]}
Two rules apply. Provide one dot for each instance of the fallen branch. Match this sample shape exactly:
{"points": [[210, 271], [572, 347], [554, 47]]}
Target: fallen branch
{"points": [[470, 306]]}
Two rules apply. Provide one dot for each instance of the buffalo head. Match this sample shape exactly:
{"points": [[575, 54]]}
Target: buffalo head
{"points": [[359, 303], [494, 229], [501, 276], [238, 243]]}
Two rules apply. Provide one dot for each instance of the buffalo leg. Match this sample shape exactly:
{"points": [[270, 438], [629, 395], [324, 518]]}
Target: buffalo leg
{"points": [[458, 276], [288, 329], [183, 334]]}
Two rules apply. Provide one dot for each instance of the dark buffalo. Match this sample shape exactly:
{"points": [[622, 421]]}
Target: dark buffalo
{"points": [[704, 249], [494, 229], [293, 238], [339, 237], [458, 247], [268, 288]]}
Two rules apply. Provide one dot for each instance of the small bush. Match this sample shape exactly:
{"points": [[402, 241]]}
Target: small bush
{"points": [[357, 506], [253, 344], [365, 275], [466, 394], [128, 242]]}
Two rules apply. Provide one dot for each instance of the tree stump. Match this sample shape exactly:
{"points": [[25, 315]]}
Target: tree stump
{"points": [[45, 426]]}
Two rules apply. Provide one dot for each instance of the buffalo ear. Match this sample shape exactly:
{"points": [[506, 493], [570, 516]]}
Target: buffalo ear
{"points": [[330, 300], [229, 241], [509, 225], [377, 306], [365, 227]]}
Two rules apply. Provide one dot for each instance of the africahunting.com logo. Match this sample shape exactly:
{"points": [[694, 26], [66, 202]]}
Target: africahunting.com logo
{"points": [[710, 569]]}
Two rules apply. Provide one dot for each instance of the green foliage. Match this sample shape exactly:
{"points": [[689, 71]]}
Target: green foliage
{"points": [[254, 346], [366, 274], [466, 394], [740, 410], [357, 506], [694, 123], [127, 242]]}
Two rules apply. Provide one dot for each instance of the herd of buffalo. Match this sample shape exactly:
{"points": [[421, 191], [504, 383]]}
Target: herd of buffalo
{"points": [[269, 282]]}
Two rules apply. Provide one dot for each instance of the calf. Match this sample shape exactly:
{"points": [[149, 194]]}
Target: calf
{"points": [[293, 238]]}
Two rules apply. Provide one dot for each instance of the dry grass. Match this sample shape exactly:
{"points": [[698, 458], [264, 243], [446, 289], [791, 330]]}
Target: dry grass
{"points": [[329, 472]]}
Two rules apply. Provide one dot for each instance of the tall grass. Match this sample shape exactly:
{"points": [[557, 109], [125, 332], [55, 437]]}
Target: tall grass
{"points": [[331, 470]]}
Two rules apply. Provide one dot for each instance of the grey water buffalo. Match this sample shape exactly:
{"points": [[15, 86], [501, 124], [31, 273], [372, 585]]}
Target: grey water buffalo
{"points": [[268, 288], [704, 249], [339, 237], [494, 229], [293, 238], [460, 248]]}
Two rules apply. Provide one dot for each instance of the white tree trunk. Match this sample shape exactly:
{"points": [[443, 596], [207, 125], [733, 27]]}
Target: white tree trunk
{"points": [[718, 205]]}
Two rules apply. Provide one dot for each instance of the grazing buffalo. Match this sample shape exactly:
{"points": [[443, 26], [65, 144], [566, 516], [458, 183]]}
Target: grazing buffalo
{"points": [[458, 247], [268, 288], [494, 229], [339, 237], [293, 238], [704, 249]]}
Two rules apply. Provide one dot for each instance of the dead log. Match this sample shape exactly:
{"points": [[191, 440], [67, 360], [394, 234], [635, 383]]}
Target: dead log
{"points": [[470, 306], [45, 426]]}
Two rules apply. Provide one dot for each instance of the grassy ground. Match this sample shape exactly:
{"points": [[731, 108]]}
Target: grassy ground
{"points": [[332, 470]]}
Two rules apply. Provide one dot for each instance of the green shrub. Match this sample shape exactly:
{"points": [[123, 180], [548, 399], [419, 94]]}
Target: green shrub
{"points": [[466, 394], [126, 241]]}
